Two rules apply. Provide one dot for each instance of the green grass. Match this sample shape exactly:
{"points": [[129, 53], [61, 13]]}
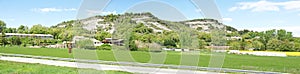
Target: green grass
{"points": [[262, 63], [7, 67]]}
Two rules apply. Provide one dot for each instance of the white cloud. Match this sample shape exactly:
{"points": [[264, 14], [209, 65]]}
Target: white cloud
{"points": [[264, 5], [299, 14], [53, 9], [226, 19], [96, 12]]}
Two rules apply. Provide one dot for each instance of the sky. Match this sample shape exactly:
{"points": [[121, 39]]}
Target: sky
{"points": [[257, 15]]}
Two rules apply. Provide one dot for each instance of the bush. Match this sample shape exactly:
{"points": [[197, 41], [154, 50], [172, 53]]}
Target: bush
{"points": [[104, 47], [23, 44]]}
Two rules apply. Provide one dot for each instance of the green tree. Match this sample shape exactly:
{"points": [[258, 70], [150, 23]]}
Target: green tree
{"points": [[242, 32], [3, 40], [257, 45], [169, 43], [11, 30], [131, 42], [55, 32], [2, 26], [235, 45], [102, 35], [66, 35], [199, 28], [274, 44], [22, 29], [38, 29], [297, 46], [110, 18], [266, 36], [37, 42], [25, 41], [202, 44], [141, 28], [286, 46], [15, 40], [205, 36]]}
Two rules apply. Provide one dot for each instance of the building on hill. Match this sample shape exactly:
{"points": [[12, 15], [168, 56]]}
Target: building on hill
{"points": [[119, 42], [95, 41], [43, 36], [234, 38]]}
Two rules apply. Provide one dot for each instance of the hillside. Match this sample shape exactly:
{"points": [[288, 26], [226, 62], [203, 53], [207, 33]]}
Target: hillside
{"points": [[107, 23]]}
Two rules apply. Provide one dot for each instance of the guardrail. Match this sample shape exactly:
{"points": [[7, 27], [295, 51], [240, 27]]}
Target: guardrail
{"points": [[226, 70]]}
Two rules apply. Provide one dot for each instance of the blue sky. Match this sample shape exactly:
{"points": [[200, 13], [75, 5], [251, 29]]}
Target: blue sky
{"points": [[251, 14]]}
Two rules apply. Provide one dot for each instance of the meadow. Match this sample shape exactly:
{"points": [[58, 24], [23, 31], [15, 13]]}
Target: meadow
{"points": [[7, 67], [247, 62]]}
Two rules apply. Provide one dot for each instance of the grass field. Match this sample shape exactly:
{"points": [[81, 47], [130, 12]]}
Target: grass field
{"points": [[262, 63], [7, 67]]}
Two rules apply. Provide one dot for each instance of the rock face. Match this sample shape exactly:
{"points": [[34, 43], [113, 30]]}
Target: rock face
{"points": [[106, 23]]}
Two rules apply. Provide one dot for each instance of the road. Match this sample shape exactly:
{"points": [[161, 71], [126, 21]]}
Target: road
{"points": [[132, 69]]}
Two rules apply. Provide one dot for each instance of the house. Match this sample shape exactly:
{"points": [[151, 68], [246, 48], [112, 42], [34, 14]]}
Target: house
{"points": [[234, 38], [113, 41], [95, 41], [43, 36]]}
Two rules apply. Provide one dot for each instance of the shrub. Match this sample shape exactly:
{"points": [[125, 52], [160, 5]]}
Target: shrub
{"points": [[104, 47]]}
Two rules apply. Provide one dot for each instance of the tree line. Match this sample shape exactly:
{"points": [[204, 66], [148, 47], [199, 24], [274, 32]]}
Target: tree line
{"points": [[271, 40]]}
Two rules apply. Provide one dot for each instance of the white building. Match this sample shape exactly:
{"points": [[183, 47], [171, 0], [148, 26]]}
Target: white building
{"points": [[43, 36], [234, 38], [95, 42]]}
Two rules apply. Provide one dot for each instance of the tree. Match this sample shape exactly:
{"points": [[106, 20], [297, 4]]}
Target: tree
{"points": [[141, 28], [37, 42], [297, 46], [2, 26], [55, 32], [66, 35], [265, 37], [169, 43], [235, 45], [242, 32], [243, 44], [15, 40], [202, 44], [25, 41], [110, 18], [257, 45], [3, 41], [246, 36], [286, 46], [11, 30], [131, 45], [229, 28], [38, 29], [22, 29], [274, 44], [199, 28], [102, 35]]}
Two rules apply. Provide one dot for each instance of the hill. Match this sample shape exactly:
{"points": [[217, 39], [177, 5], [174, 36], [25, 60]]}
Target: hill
{"points": [[107, 23]]}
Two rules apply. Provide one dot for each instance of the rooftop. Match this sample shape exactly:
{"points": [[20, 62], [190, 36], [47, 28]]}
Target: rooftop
{"points": [[28, 34]]}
